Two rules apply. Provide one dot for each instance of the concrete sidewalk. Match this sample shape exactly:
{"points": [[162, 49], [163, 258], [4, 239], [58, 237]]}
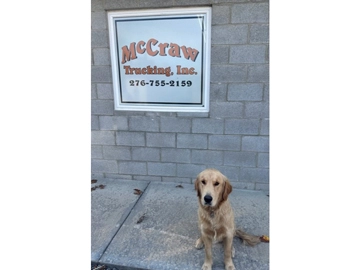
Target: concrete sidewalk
{"points": [[158, 229]]}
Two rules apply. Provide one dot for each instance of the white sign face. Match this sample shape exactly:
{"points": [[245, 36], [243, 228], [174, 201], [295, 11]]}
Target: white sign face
{"points": [[161, 59]]}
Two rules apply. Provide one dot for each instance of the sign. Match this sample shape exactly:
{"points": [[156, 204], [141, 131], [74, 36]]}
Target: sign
{"points": [[161, 59]]}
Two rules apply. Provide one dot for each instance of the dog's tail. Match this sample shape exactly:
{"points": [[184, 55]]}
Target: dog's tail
{"points": [[249, 239]]}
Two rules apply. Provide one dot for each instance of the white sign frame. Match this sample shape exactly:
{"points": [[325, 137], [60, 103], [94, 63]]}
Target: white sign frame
{"points": [[173, 88]]}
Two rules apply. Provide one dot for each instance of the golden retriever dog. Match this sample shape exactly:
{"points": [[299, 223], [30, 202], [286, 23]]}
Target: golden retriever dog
{"points": [[216, 217]]}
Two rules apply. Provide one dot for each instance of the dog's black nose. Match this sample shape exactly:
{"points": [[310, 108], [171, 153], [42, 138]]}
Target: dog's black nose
{"points": [[207, 199]]}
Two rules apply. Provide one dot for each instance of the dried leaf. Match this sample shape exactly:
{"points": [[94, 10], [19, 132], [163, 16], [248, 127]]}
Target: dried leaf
{"points": [[141, 219], [93, 181], [93, 188], [137, 191], [265, 238], [101, 267], [102, 186], [179, 186]]}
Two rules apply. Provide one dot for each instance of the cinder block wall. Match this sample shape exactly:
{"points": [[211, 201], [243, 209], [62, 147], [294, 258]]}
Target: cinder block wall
{"points": [[233, 137]]}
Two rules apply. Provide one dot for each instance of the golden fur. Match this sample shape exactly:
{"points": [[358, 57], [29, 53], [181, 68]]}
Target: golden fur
{"points": [[216, 217]]}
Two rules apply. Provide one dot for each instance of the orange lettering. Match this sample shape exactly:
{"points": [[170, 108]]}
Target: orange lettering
{"points": [[138, 47], [128, 54], [162, 47], [189, 53], [174, 50], [148, 47]]}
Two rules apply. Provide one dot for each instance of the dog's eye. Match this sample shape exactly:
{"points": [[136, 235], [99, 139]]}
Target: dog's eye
{"points": [[203, 181], [216, 184]]}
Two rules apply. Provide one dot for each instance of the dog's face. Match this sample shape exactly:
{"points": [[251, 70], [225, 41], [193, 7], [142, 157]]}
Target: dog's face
{"points": [[212, 188]]}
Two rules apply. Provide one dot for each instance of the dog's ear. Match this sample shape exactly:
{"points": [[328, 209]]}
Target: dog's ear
{"points": [[227, 188], [197, 187]]}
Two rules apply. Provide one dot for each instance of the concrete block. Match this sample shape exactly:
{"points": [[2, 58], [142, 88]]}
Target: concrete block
{"points": [[162, 169], [266, 92], [101, 56], [245, 92], [264, 129], [127, 138], [259, 33], [231, 172], [97, 5], [254, 175], [263, 160], [226, 109], [175, 155], [229, 1], [102, 137], [262, 186], [102, 107], [100, 165], [145, 154], [125, 4], [160, 114], [255, 143], [96, 175], [132, 167], [189, 170], [101, 74], [94, 122], [257, 109], [208, 126], [229, 34], [118, 176], [228, 73], [207, 157], [195, 141], [247, 54], [220, 14], [224, 142], [219, 54], [176, 179], [242, 126], [93, 91], [96, 152], [243, 185], [99, 38], [105, 91], [175, 124], [258, 73], [113, 123], [190, 2], [192, 114], [146, 178], [218, 91], [117, 152], [144, 123], [250, 13], [160, 139], [129, 113], [98, 20], [240, 159]]}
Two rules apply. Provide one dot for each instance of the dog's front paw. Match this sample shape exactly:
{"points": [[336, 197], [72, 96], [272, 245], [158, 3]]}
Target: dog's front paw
{"points": [[199, 244], [233, 252], [229, 265], [206, 266]]}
